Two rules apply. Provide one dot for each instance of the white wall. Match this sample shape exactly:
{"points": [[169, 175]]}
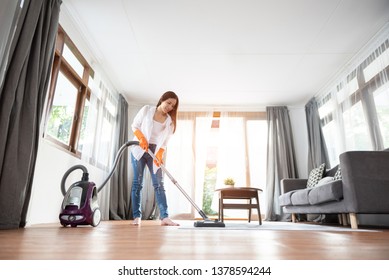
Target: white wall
{"points": [[46, 196]]}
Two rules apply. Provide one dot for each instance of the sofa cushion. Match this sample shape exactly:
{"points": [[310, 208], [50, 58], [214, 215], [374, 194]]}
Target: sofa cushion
{"points": [[285, 199], [300, 197], [332, 191], [315, 175], [324, 180]]}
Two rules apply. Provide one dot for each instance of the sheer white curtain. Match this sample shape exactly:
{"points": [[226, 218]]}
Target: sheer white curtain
{"points": [[354, 111], [186, 160], [202, 136], [98, 148], [237, 146], [232, 154], [231, 159], [241, 154]]}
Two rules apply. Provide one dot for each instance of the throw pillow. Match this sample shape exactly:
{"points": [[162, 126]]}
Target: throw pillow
{"points": [[315, 175], [324, 180], [338, 174]]}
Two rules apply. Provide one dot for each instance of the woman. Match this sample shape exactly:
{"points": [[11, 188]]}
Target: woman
{"points": [[152, 127]]}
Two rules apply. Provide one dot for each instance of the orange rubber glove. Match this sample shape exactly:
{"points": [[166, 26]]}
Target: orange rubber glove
{"points": [[159, 156], [142, 140]]}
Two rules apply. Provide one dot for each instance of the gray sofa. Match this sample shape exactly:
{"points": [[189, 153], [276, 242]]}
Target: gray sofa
{"points": [[362, 189]]}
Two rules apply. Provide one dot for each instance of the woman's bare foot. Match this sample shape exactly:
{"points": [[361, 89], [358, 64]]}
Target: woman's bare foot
{"points": [[168, 222], [136, 222]]}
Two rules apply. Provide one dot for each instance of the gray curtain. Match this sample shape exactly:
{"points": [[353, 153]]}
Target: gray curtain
{"points": [[317, 149], [22, 97], [119, 206], [280, 158], [9, 15]]}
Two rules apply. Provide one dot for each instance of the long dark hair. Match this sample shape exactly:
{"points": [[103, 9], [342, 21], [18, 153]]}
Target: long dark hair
{"points": [[172, 113]]}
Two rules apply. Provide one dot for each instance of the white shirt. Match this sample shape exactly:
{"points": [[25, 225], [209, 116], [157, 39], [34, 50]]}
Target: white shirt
{"points": [[157, 130], [144, 121]]}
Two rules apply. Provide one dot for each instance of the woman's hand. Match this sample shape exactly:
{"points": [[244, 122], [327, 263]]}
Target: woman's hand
{"points": [[159, 157], [142, 140]]}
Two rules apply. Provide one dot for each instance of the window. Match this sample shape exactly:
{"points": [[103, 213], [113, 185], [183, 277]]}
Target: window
{"points": [[381, 99], [238, 141], [62, 110], [68, 103], [355, 113], [214, 146]]}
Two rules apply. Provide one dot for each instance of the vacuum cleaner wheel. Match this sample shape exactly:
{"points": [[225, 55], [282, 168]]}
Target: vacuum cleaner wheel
{"points": [[96, 217]]}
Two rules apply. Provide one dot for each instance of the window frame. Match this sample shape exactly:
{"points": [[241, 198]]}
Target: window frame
{"points": [[60, 64]]}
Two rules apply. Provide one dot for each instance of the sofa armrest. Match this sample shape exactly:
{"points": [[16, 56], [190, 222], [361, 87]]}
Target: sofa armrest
{"points": [[365, 176], [291, 184]]}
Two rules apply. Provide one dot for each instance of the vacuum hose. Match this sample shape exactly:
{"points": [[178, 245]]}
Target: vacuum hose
{"points": [[118, 155], [85, 175]]}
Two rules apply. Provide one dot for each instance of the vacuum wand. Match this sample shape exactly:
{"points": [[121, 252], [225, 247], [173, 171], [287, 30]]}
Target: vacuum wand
{"points": [[201, 212], [207, 221]]}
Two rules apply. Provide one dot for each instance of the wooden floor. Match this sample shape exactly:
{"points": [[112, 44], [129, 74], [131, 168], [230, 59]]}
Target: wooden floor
{"points": [[119, 240]]}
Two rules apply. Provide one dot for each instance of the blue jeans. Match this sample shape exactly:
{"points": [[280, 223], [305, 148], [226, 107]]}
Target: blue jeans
{"points": [[137, 184]]}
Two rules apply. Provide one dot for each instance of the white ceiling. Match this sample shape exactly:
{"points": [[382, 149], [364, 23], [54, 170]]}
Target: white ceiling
{"points": [[224, 52]]}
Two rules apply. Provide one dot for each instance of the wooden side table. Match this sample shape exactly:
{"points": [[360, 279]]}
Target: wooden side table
{"points": [[249, 194]]}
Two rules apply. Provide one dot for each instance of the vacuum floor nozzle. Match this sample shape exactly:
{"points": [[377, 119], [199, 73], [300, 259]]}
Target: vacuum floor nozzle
{"points": [[209, 223]]}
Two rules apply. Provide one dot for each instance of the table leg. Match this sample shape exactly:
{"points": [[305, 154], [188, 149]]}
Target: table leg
{"points": [[259, 210], [250, 210]]}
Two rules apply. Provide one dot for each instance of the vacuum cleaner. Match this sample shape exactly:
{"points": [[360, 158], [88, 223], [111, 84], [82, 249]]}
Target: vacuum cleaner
{"points": [[80, 205]]}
